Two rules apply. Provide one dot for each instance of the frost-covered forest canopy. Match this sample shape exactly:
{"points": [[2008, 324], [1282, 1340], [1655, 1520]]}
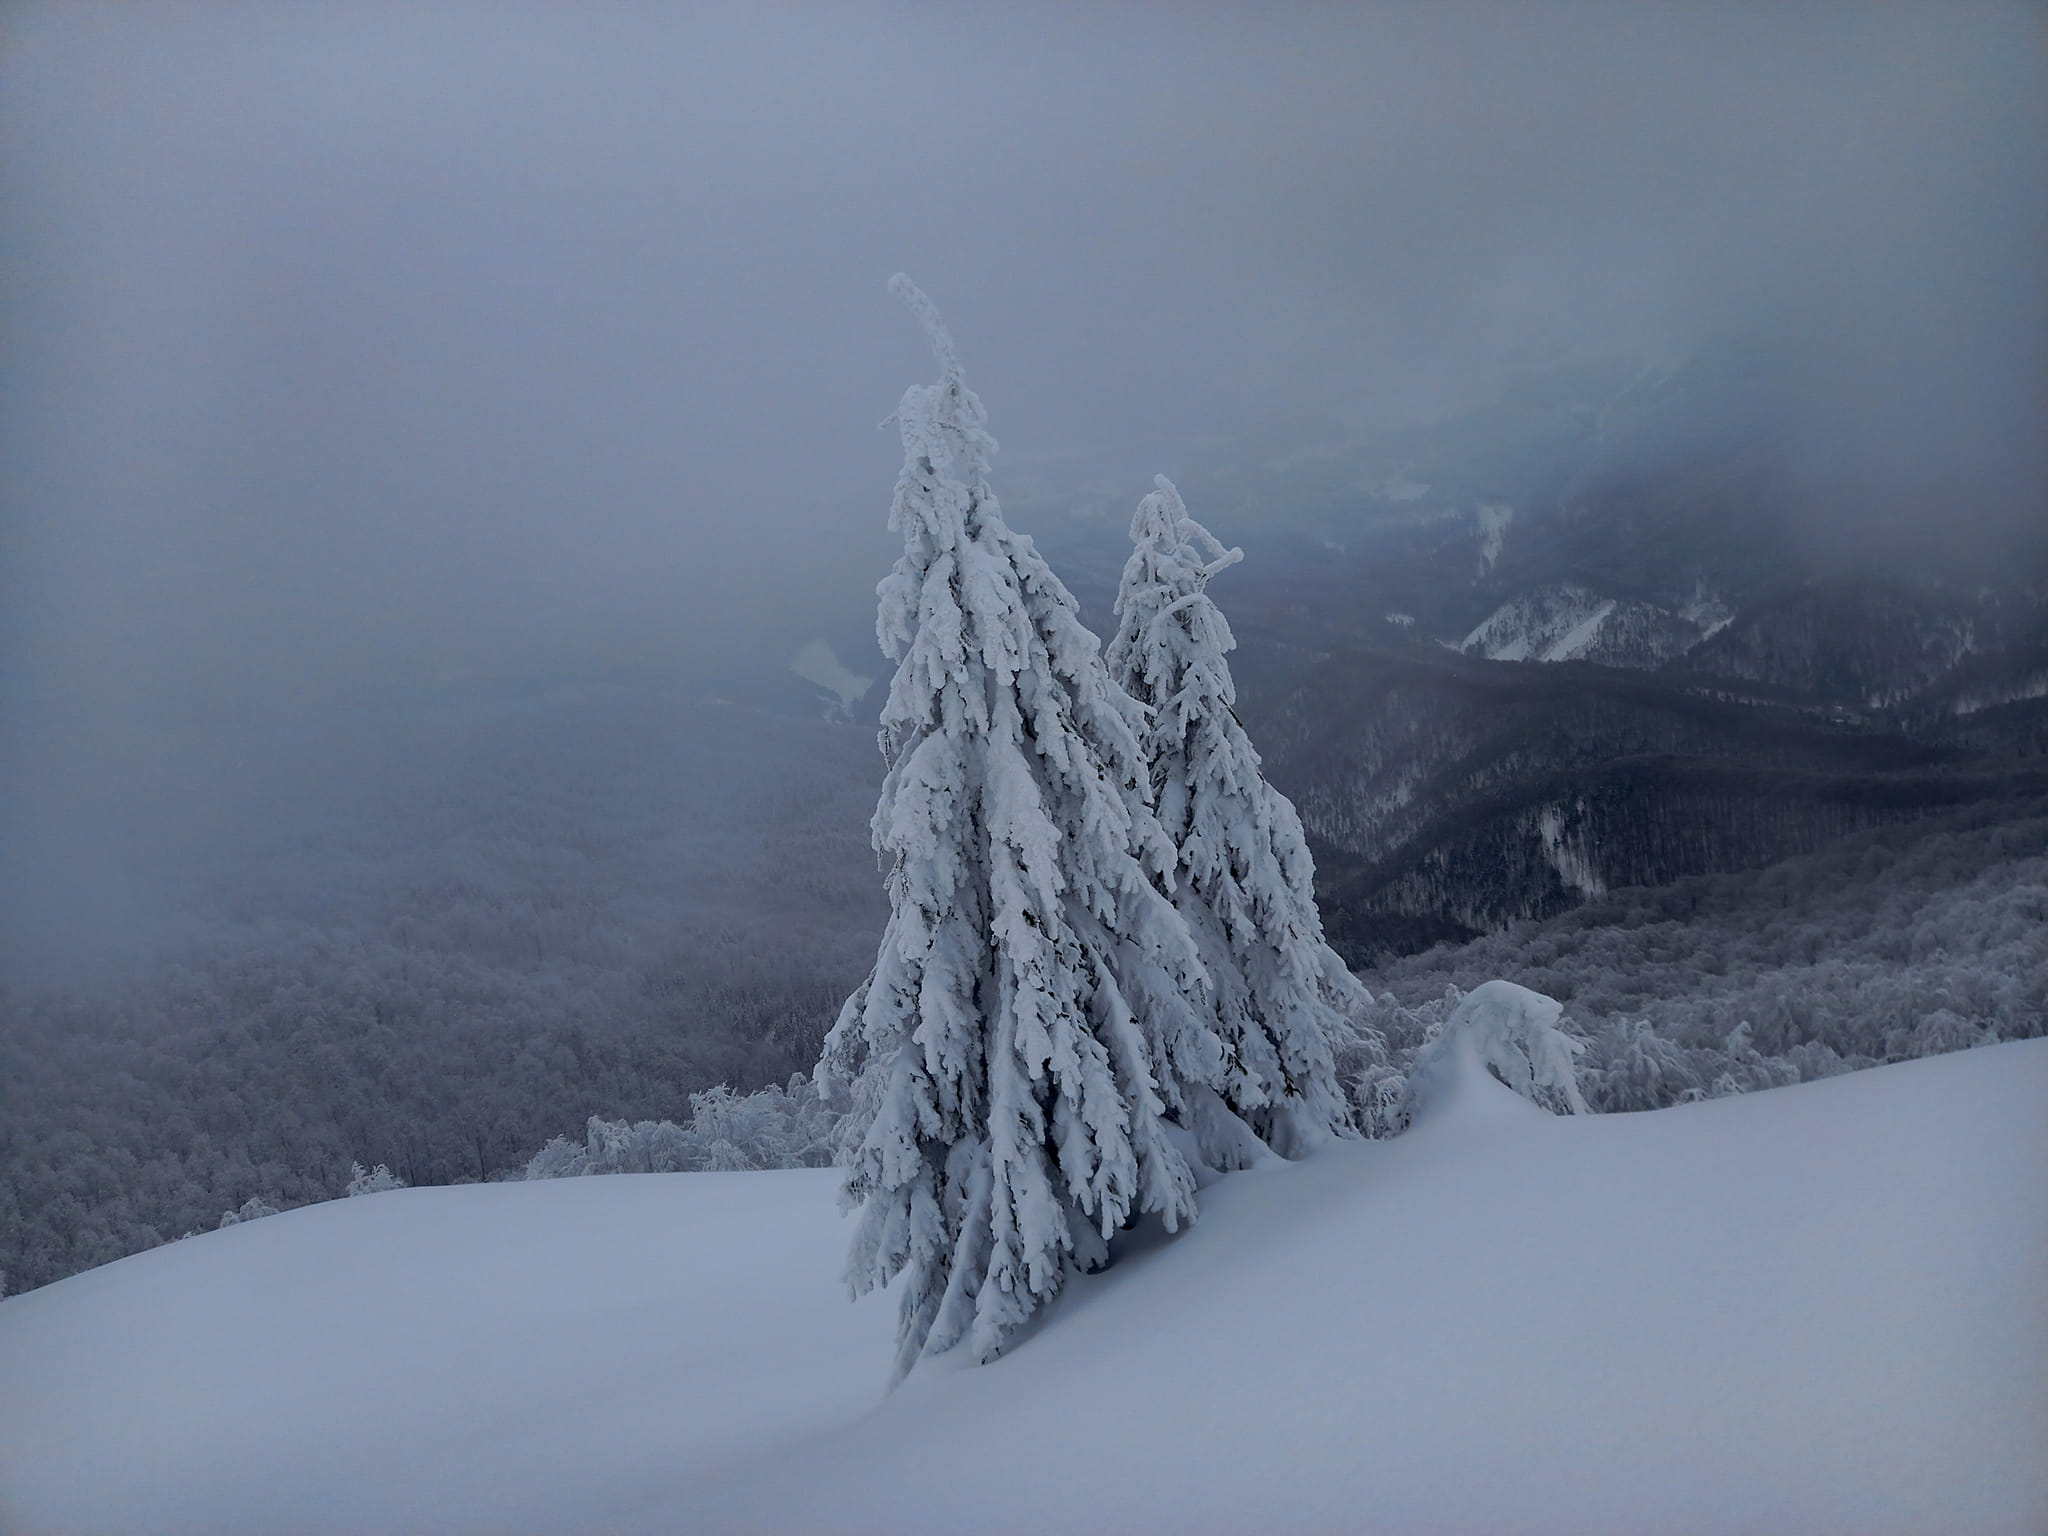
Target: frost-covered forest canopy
{"points": [[439, 697]]}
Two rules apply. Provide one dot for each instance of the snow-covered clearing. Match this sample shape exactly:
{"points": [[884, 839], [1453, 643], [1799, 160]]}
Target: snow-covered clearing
{"points": [[1822, 1308]]}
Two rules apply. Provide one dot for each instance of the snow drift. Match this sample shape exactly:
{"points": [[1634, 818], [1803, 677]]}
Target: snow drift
{"points": [[1813, 1309]]}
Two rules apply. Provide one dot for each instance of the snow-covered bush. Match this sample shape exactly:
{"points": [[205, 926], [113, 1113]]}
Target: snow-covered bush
{"points": [[372, 1181], [1244, 880], [1379, 1095], [1519, 1035], [1813, 1059], [252, 1209], [1624, 1065], [1745, 1069], [1374, 1066], [777, 1127], [1515, 1035]]}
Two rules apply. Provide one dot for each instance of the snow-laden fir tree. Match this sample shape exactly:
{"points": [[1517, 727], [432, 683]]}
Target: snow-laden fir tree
{"points": [[1036, 1018], [1284, 1002]]}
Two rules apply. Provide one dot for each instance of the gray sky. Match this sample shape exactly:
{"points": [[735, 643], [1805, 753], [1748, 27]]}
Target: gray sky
{"points": [[345, 337]]}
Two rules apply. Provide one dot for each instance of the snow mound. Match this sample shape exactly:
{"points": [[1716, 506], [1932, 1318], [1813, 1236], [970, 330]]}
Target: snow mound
{"points": [[1501, 1037], [1812, 1309]]}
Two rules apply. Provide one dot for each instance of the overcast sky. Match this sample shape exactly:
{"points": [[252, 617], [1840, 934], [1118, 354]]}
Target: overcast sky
{"points": [[334, 334]]}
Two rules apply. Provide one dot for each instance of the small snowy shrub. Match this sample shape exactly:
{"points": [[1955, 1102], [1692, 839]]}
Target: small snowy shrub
{"points": [[1374, 1069], [252, 1209], [1813, 1059], [1745, 1069], [1515, 1034], [1366, 1070], [371, 1182], [1940, 1031], [1380, 1095]]}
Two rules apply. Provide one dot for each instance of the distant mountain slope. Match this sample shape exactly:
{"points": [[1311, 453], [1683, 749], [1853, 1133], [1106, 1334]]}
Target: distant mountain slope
{"points": [[1446, 795], [1869, 644], [1604, 630]]}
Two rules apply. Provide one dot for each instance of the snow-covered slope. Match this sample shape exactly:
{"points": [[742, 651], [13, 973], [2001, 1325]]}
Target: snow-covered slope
{"points": [[1814, 1309], [1569, 622]]}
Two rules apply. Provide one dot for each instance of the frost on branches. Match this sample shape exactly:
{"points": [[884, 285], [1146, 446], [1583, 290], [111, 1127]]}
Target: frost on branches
{"points": [[371, 1181], [1036, 1016], [1245, 883], [255, 1208], [727, 1132]]}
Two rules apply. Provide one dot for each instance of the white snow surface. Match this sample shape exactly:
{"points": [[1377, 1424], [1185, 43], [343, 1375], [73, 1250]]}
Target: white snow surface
{"points": [[1569, 855], [1817, 1309], [1560, 623], [1707, 611]]}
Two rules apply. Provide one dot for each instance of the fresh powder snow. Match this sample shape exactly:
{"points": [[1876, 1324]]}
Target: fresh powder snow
{"points": [[1818, 1308]]}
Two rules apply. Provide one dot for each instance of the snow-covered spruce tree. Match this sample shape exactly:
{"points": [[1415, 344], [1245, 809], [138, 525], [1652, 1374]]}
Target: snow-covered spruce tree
{"points": [[1036, 1017], [1284, 1001]]}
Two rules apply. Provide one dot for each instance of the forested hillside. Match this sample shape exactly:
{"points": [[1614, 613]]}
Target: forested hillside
{"points": [[1906, 941], [1599, 633], [589, 903], [1448, 795]]}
